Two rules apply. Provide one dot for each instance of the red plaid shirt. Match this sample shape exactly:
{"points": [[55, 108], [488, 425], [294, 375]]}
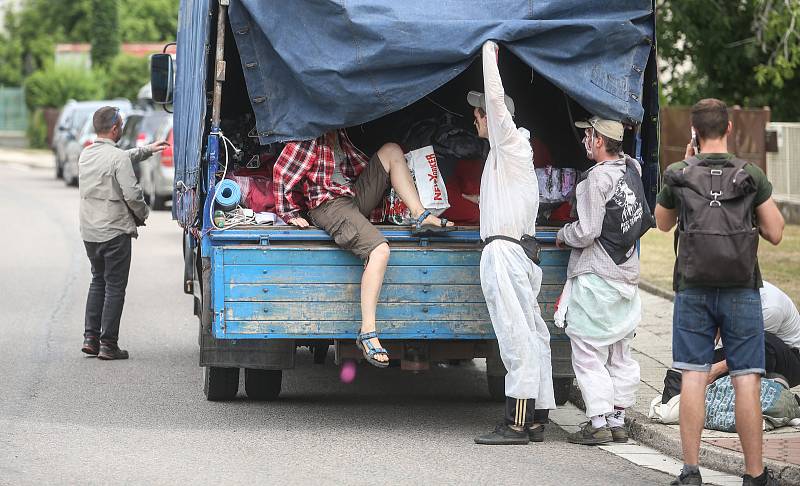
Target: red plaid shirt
{"points": [[303, 174]]}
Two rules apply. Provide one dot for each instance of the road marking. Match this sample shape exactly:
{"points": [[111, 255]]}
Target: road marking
{"points": [[569, 418]]}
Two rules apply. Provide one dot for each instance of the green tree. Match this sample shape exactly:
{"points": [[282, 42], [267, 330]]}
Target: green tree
{"points": [[104, 32], [742, 51], [148, 20], [125, 76], [53, 87]]}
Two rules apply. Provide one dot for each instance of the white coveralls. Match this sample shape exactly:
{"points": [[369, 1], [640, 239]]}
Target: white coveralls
{"points": [[510, 280]]}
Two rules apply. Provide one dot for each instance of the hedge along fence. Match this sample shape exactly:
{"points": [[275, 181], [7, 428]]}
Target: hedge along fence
{"points": [[51, 89]]}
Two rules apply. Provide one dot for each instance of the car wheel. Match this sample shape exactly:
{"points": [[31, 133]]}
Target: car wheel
{"points": [[262, 384], [220, 383]]}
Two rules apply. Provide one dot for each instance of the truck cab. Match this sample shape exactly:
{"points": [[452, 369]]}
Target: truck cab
{"points": [[265, 292]]}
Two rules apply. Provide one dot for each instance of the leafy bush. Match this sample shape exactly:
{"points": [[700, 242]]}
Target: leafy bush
{"points": [[125, 76], [37, 130], [55, 86]]}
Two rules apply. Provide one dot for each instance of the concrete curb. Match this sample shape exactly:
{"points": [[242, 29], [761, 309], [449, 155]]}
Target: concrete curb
{"points": [[668, 441], [658, 291]]}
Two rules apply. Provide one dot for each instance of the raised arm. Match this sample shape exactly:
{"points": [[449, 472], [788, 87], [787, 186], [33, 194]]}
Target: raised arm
{"points": [[500, 123]]}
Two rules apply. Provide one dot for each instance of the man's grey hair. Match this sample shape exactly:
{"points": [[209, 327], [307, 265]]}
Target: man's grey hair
{"points": [[105, 119]]}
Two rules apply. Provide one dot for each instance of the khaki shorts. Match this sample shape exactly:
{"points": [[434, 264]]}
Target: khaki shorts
{"points": [[346, 219]]}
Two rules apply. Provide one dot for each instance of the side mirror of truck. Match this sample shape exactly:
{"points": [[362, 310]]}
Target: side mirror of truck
{"points": [[162, 79]]}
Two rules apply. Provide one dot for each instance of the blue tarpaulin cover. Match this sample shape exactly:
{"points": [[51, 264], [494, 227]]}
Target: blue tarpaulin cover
{"points": [[313, 65], [190, 92]]}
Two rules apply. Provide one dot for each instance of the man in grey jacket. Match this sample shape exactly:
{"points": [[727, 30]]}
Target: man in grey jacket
{"points": [[111, 207], [601, 303]]}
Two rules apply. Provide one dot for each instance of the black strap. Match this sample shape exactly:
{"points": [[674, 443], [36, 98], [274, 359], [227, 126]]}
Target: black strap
{"points": [[501, 237]]}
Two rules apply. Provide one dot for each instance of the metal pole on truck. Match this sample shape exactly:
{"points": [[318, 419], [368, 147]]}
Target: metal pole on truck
{"points": [[216, 107], [219, 65]]}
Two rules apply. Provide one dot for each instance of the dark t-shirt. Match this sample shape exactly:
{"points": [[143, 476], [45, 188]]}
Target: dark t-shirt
{"points": [[667, 199]]}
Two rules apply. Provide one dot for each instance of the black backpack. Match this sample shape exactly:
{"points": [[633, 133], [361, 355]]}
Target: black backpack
{"points": [[716, 240], [628, 216]]}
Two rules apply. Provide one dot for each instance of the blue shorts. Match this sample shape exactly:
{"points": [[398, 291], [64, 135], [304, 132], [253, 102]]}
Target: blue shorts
{"points": [[699, 312]]}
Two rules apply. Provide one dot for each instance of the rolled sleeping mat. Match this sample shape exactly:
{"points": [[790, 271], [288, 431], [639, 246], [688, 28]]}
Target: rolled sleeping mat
{"points": [[228, 195]]}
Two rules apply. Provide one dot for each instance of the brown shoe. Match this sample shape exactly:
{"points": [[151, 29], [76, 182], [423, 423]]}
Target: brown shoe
{"points": [[91, 346], [589, 435], [111, 351], [619, 434]]}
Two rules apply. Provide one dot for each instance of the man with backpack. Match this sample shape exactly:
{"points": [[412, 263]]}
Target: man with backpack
{"points": [[720, 204], [600, 302]]}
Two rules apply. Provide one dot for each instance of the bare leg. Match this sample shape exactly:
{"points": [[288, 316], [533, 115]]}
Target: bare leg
{"points": [[371, 282], [394, 161], [748, 420], [693, 414]]}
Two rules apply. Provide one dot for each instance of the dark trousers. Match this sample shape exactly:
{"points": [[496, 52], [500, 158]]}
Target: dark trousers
{"points": [[778, 358], [523, 412], [111, 263]]}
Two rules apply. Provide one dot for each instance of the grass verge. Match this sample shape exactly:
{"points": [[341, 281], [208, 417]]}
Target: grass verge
{"points": [[780, 265]]}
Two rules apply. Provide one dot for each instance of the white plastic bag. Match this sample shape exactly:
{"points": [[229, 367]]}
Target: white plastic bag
{"points": [[430, 186]]}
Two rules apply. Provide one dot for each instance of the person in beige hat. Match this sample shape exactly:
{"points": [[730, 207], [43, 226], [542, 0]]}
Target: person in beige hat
{"points": [[600, 306]]}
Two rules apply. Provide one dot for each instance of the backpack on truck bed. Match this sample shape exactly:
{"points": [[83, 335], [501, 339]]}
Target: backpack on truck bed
{"points": [[716, 239]]}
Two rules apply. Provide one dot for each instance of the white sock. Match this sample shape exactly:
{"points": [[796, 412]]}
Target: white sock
{"points": [[616, 418], [599, 421]]}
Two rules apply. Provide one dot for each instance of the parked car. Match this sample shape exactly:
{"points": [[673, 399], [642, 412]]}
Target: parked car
{"points": [[84, 135], [130, 135], [156, 173], [70, 121]]}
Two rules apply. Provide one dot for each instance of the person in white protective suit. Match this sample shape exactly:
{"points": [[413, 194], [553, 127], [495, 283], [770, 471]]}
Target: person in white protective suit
{"points": [[600, 302], [509, 202]]}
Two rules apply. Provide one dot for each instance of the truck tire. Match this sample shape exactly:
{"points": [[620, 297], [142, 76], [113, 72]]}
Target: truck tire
{"points": [[561, 389], [220, 384], [497, 388], [320, 353], [262, 384]]}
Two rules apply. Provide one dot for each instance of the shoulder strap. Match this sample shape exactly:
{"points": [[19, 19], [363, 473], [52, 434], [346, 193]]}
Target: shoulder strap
{"points": [[692, 161]]}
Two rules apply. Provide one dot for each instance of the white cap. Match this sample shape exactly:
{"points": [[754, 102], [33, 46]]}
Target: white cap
{"points": [[478, 100]]}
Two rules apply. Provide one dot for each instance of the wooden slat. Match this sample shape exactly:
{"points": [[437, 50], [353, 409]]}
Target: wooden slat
{"points": [[387, 329], [348, 329], [439, 275], [352, 293], [399, 257], [330, 311], [334, 311]]}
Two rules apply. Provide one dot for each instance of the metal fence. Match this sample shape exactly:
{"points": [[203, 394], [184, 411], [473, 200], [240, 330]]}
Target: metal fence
{"points": [[783, 166], [13, 112]]}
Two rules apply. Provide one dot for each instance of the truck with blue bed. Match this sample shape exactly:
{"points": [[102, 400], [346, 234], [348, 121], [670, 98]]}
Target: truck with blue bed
{"points": [[250, 75]]}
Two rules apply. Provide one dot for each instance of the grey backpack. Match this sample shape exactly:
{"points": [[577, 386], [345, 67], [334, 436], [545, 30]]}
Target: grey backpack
{"points": [[716, 240]]}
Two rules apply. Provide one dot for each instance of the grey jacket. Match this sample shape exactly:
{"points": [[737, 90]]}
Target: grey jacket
{"points": [[111, 198], [588, 255]]}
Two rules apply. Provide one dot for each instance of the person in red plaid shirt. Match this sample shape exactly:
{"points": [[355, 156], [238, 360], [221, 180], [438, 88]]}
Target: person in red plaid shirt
{"points": [[339, 187]]}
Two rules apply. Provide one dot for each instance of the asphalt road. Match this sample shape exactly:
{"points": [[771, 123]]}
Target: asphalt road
{"points": [[69, 419]]}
